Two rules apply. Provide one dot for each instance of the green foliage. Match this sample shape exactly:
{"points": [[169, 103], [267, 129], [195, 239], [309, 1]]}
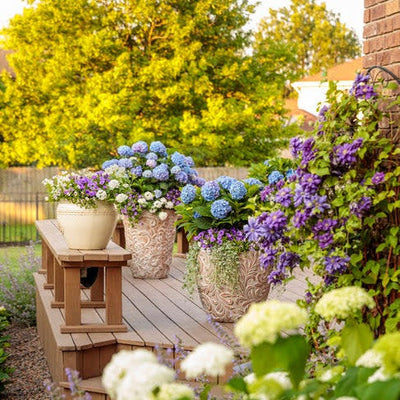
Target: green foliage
{"points": [[5, 371], [94, 74], [313, 35]]}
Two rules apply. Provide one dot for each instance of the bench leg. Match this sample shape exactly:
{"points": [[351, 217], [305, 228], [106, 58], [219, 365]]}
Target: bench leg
{"points": [[97, 289], [72, 296], [49, 271], [114, 296], [58, 283]]}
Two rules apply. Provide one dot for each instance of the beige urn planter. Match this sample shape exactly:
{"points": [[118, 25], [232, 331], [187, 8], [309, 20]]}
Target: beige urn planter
{"points": [[224, 304], [87, 228], [151, 242]]}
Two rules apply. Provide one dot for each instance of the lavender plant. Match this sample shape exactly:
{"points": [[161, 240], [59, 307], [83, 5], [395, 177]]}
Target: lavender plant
{"points": [[74, 381], [5, 370], [339, 212]]}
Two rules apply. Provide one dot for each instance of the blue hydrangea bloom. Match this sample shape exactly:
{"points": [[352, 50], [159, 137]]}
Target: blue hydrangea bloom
{"points": [[178, 159], [147, 174], [140, 147], [125, 151], [199, 181], [158, 148], [182, 177], [125, 163], [189, 161], [267, 162], [274, 177], [226, 181], [253, 181], [237, 190], [137, 170], [290, 172], [196, 215], [210, 190], [157, 193], [175, 169], [161, 172], [220, 209], [108, 163], [188, 194], [152, 156]]}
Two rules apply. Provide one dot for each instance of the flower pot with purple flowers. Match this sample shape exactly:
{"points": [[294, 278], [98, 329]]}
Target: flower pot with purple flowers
{"points": [[221, 264], [147, 181]]}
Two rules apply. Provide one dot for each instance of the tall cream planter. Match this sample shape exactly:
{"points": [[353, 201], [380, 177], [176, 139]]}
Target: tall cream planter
{"points": [[151, 242], [225, 304], [87, 228]]}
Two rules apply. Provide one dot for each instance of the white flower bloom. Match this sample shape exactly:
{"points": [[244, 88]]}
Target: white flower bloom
{"points": [[169, 205], [370, 359], [153, 210], [269, 386], [101, 194], [141, 379], [113, 184], [346, 398], [157, 204], [142, 201], [121, 197], [280, 377], [120, 362], [163, 215], [265, 321], [163, 200], [209, 359], [174, 391], [148, 195], [343, 303], [379, 375], [2, 308]]}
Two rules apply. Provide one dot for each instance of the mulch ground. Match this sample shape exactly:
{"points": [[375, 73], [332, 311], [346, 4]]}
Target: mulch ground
{"points": [[31, 369]]}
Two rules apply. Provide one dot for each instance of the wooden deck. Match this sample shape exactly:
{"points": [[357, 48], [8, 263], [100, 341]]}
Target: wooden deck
{"points": [[158, 314]]}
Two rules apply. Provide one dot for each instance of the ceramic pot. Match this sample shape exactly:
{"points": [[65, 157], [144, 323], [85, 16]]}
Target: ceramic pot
{"points": [[223, 303], [151, 242], [87, 228]]}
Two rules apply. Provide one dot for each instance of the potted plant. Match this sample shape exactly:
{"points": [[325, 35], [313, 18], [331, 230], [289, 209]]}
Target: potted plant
{"points": [[221, 262], [86, 214], [149, 178]]}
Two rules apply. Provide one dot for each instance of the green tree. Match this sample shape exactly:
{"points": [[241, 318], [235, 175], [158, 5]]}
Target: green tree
{"points": [[314, 34], [94, 74]]}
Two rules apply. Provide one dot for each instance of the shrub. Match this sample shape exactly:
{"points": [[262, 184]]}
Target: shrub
{"points": [[4, 343]]}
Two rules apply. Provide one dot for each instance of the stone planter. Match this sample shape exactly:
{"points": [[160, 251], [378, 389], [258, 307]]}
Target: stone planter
{"points": [[87, 228], [151, 242], [224, 304]]}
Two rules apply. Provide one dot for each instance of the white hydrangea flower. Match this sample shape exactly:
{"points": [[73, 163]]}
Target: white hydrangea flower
{"points": [[113, 184], [174, 391], [163, 200], [162, 215], [148, 195], [265, 321], [101, 194], [379, 375], [280, 377], [343, 303], [261, 388], [120, 363], [370, 359], [209, 359], [121, 197], [169, 205], [157, 204], [141, 379], [142, 201]]}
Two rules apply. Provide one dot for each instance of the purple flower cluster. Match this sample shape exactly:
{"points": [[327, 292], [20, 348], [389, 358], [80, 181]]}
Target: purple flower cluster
{"points": [[361, 89], [345, 154], [207, 239], [359, 208], [336, 265], [378, 178], [90, 185]]}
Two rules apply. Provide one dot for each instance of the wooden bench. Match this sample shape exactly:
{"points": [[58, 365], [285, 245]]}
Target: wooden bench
{"points": [[63, 271]]}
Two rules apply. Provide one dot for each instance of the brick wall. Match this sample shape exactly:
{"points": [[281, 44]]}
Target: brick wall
{"points": [[382, 34]]}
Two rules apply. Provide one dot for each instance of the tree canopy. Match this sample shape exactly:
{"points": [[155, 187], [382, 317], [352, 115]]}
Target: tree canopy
{"points": [[315, 35], [94, 74]]}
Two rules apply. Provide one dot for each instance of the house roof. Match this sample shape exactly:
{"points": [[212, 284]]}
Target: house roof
{"points": [[340, 72], [306, 119], [4, 63]]}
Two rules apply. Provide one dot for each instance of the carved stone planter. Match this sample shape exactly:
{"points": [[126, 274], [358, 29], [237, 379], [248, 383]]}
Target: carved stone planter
{"points": [[224, 304], [87, 228], [151, 242]]}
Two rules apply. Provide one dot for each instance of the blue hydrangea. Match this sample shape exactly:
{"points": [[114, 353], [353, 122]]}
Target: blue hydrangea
{"points": [[108, 163], [253, 181], [220, 209], [152, 156], [161, 172], [189, 161], [125, 151], [210, 190], [175, 169], [125, 163], [274, 177], [147, 174], [182, 177], [158, 148], [199, 181], [237, 190], [137, 170], [178, 159], [226, 181], [196, 215], [290, 172], [140, 147], [157, 193], [267, 162], [188, 194]]}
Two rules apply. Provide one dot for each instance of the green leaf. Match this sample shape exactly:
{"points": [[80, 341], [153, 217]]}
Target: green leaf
{"points": [[356, 340], [352, 378], [203, 223], [387, 390], [238, 385], [203, 211]]}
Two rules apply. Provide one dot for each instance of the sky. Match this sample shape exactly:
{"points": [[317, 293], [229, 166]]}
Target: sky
{"points": [[350, 11]]}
